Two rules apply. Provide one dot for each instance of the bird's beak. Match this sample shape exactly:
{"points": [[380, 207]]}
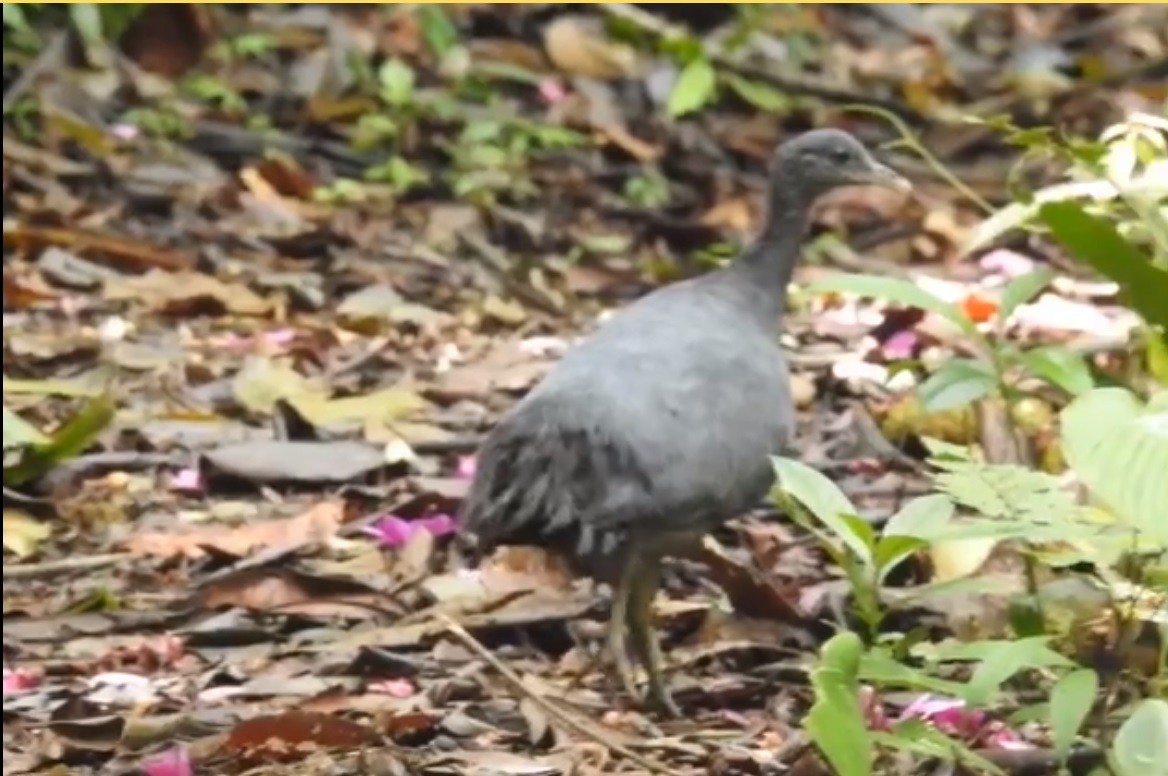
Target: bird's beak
{"points": [[882, 175]]}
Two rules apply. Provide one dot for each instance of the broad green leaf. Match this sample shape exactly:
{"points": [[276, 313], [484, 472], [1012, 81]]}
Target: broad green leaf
{"points": [[894, 290], [1141, 744], [1022, 289], [1000, 660], [823, 499], [1018, 215], [1099, 244], [836, 722], [18, 432], [694, 88], [1071, 700], [1060, 367], [924, 517], [957, 383], [1119, 449], [878, 667], [761, 95]]}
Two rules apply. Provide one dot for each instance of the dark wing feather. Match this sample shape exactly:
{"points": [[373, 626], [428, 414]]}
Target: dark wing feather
{"points": [[542, 482]]}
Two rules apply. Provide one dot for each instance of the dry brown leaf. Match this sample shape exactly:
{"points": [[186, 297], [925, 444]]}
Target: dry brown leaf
{"points": [[576, 45], [183, 293], [316, 525]]}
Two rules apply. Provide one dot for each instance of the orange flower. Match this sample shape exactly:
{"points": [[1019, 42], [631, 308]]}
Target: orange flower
{"points": [[978, 308]]}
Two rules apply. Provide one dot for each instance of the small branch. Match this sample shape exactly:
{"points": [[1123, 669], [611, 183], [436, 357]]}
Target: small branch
{"points": [[551, 709], [63, 566]]}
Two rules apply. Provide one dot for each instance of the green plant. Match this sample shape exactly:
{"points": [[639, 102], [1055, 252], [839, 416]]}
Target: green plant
{"points": [[1111, 213], [997, 365]]}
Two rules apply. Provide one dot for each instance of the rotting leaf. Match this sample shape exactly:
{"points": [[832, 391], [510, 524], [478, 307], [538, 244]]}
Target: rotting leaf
{"points": [[293, 735]]}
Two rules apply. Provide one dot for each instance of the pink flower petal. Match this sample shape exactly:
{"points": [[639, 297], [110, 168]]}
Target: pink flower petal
{"points": [[173, 762], [465, 468], [19, 681], [552, 90], [395, 688], [900, 345], [187, 481], [393, 531]]}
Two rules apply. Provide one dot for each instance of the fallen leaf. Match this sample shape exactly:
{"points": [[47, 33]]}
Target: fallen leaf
{"points": [[186, 293], [23, 533], [576, 45], [316, 525]]}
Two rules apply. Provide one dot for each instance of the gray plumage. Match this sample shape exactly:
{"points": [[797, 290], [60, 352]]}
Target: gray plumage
{"points": [[661, 424]]}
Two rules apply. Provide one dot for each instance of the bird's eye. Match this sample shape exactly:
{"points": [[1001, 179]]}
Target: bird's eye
{"points": [[839, 155]]}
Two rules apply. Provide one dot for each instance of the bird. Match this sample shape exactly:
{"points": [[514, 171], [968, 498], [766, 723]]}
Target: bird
{"points": [[660, 425]]}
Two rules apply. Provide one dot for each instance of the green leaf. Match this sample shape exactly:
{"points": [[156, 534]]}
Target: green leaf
{"points": [[836, 722], [1119, 449], [1071, 700], [895, 290], [924, 517], [438, 31], [1157, 358], [86, 18], [957, 383], [1060, 367], [14, 18], [1141, 744], [892, 550], [397, 82], [823, 499], [1099, 244], [70, 440], [1001, 660], [1021, 290], [761, 95], [694, 88], [1019, 214], [18, 432]]}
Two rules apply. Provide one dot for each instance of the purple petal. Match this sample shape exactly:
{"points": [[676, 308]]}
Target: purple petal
{"points": [[901, 345]]}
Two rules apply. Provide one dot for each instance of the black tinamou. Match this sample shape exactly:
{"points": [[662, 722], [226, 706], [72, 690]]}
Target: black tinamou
{"points": [[661, 425]]}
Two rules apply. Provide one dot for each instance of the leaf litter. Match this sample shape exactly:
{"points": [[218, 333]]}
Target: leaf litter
{"points": [[304, 288]]}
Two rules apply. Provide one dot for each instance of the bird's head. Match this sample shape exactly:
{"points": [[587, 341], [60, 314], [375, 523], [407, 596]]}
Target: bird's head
{"points": [[824, 159]]}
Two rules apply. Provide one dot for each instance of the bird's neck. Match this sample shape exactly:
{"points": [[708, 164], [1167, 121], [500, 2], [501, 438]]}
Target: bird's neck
{"points": [[769, 261]]}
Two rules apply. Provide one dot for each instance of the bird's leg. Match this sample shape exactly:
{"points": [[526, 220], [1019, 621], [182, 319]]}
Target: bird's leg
{"points": [[646, 583], [618, 619]]}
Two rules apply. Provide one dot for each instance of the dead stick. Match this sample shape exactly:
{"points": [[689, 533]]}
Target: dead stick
{"points": [[471, 643]]}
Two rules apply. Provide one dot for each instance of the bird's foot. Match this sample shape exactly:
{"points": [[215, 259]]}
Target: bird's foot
{"points": [[661, 700]]}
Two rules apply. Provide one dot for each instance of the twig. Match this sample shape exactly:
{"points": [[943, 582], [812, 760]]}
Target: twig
{"points": [[471, 643], [63, 566], [49, 59]]}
